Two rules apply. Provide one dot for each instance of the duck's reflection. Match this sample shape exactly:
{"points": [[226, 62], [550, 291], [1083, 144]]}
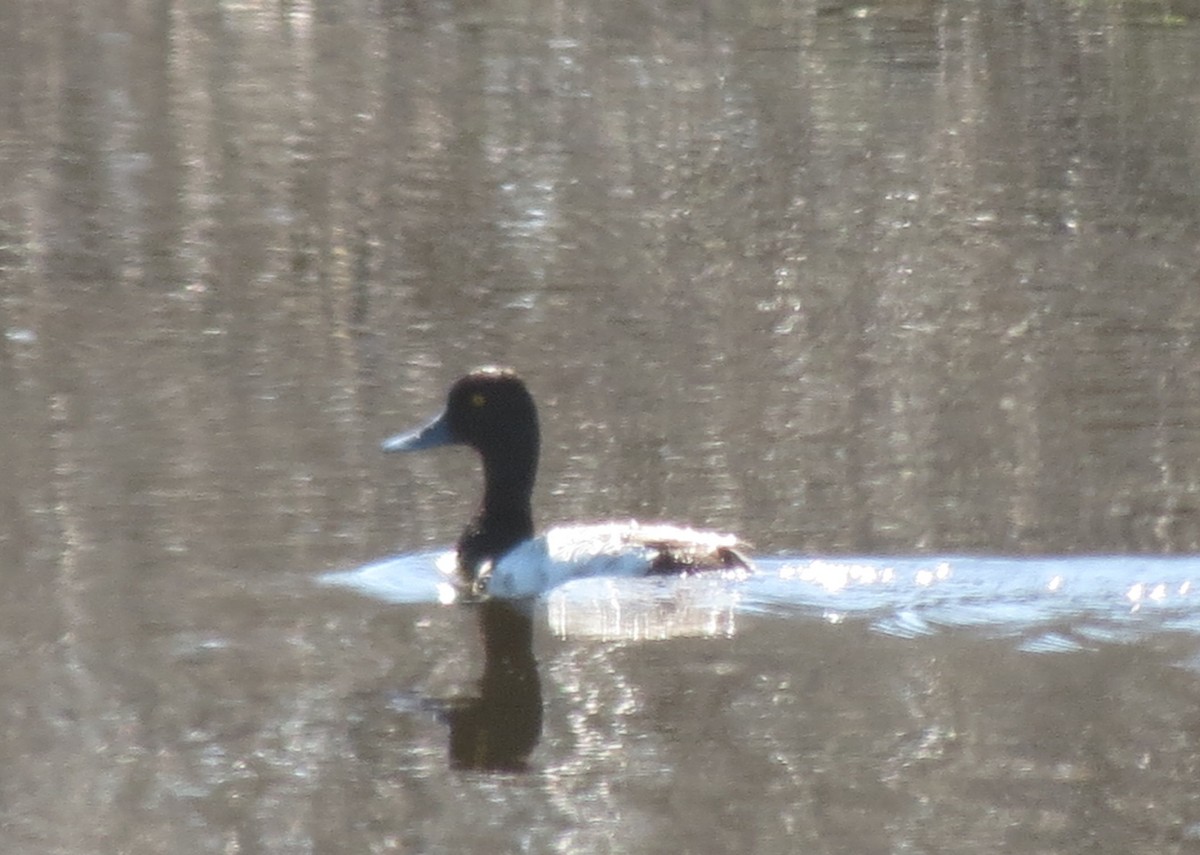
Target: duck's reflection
{"points": [[499, 729]]}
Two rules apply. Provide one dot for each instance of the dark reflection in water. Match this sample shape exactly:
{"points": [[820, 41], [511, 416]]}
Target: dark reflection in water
{"points": [[493, 729], [499, 729]]}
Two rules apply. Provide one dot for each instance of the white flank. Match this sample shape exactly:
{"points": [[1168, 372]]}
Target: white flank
{"points": [[579, 552]]}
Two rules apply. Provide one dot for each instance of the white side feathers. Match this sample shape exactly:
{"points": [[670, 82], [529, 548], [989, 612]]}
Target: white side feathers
{"points": [[607, 549]]}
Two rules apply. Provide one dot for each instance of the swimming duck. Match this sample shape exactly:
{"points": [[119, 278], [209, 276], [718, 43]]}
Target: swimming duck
{"points": [[491, 411]]}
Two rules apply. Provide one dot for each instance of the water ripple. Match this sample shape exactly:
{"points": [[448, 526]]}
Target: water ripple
{"points": [[1050, 604]]}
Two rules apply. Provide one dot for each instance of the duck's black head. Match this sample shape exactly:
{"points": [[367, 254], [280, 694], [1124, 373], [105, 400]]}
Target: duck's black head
{"points": [[491, 411]]}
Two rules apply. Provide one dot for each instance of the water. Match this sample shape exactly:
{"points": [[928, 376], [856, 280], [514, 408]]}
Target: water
{"points": [[1048, 603], [853, 702], [902, 293]]}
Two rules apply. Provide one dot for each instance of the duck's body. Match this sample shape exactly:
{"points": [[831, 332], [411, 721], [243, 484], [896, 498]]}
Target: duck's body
{"points": [[491, 411], [563, 553]]}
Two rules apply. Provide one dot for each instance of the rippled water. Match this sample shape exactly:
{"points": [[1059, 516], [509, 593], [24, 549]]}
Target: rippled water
{"points": [[1048, 603], [942, 701], [902, 293]]}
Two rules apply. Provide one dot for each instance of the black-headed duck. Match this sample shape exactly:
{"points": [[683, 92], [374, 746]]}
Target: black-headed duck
{"points": [[491, 410]]}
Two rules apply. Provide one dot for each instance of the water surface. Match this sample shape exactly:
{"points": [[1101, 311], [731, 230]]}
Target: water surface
{"points": [[903, 293]]}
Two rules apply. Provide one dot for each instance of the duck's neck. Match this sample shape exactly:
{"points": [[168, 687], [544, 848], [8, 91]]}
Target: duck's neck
{"points": [[505, 517], [508, 496]]}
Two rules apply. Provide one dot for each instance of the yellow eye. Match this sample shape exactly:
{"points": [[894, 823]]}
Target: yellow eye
{"points": [[478, 400]]}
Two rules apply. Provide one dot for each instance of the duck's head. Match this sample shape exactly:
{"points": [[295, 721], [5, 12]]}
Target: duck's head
{"points": [[489, 410]]}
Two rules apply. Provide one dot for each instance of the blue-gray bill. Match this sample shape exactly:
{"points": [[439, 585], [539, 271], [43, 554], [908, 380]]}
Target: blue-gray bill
{"points": [[432, 435]]}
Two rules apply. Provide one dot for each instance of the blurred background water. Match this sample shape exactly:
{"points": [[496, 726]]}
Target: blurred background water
{"points": [[903, 292]]}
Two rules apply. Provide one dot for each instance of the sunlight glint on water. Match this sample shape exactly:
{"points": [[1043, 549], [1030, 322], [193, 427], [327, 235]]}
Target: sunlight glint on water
{"points": [[1087, 597]]}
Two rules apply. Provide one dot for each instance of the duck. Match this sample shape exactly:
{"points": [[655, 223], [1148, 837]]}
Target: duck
{"points": [[499, 555]]}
